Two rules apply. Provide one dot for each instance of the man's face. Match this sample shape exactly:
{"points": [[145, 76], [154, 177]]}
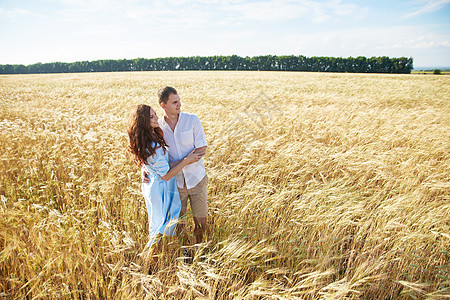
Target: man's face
{"points": [[173, 105]]}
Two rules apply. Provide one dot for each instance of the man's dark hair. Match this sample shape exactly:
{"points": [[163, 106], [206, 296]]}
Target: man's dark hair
{"points": [[164, 93]]}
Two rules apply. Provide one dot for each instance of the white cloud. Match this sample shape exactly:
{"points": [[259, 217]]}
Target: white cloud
{"points": [[231, 36], [432, 44], [158, 13], [368, 41], [267, 10], [430, 6], [186, 14], [283, 10], [15, 12]]}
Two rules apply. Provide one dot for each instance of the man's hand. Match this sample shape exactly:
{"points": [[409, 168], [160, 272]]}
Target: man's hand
{"points": [[194, 157], [144, 176], [201, 150]]}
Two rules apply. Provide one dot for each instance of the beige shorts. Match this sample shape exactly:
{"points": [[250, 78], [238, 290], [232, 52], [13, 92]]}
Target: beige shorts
{"points": [[197, 198]]}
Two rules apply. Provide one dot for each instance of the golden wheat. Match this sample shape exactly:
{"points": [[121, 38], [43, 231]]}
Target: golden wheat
{"points": [[323, 186]]}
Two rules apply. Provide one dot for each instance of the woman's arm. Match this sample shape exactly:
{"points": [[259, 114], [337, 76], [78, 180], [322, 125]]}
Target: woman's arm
{"points": [[175, 163], [179, 165], [201, 150]]}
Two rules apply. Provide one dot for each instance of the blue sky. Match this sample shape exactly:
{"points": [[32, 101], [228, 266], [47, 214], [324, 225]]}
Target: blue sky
{"points": [[34, 31]]}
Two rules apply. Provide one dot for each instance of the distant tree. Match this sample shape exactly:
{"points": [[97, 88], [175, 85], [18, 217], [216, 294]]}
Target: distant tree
{"points": [[437, 72], [20, 69], [256, 63]]}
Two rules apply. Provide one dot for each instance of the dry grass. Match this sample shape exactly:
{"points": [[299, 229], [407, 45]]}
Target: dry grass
{"points": [[326, 186]]}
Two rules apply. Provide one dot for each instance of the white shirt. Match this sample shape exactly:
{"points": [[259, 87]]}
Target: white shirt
{"points": [[188, 134]]}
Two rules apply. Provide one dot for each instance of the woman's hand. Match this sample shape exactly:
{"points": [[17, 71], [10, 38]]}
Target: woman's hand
{"points": [[194, 157]]}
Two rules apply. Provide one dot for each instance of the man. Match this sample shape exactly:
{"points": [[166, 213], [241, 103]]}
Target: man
{"points": [[183, 132]]}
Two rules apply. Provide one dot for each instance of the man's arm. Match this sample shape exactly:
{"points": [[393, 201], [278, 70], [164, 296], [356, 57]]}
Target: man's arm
{"points": [[201, 150], [189, 159], [144, 173], [200, 143], [175, 167]]}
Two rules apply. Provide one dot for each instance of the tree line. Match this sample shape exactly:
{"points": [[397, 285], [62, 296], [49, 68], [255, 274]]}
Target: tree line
{"points": [[359, 64]]}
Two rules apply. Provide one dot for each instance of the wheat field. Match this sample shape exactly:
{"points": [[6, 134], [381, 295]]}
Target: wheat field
{"points": [[321, 186]]}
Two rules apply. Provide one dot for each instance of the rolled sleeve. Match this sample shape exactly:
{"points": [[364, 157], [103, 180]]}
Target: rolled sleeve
{"points": [[199, 134], [158, 162]]}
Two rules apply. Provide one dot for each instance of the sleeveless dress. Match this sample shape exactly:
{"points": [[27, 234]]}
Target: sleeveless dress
{"points": [[161, 197]]}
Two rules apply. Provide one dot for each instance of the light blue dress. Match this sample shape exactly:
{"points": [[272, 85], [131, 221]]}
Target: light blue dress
{"points": [[161, 197]]}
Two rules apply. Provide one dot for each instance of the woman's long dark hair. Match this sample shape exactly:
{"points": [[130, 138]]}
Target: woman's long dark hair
{"points": [[141, 135]]}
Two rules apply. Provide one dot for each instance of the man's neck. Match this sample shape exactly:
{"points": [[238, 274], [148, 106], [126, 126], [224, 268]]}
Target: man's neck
{"points": [[171, 120]]}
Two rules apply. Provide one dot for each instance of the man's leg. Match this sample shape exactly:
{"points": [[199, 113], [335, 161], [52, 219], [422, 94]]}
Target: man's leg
{"points": [[199, 206], [199, 229], [182, 226], [182, 222]]}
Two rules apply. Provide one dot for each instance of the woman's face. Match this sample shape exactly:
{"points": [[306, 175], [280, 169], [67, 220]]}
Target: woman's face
{"points": [[153, 119]]}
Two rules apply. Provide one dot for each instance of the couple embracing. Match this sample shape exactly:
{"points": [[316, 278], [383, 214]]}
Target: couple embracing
{"points": [[170, 153]]}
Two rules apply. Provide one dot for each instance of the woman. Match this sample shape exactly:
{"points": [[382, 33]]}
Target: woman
{"points": [[147, 145]]}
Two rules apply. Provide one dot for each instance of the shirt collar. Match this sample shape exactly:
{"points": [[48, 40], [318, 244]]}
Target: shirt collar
{"points": [[164, 123]]}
